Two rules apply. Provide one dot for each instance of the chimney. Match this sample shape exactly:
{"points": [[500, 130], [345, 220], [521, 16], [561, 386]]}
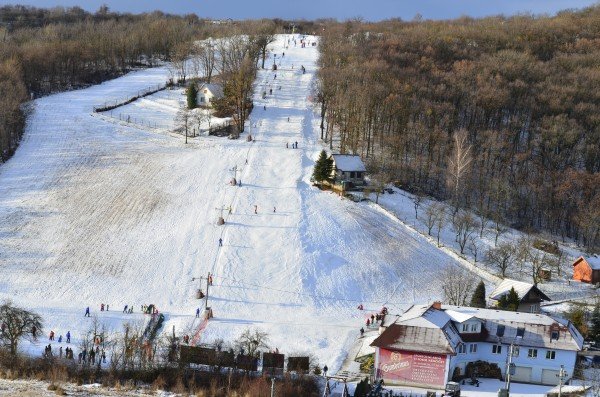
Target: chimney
{"points": [[437, 305]]}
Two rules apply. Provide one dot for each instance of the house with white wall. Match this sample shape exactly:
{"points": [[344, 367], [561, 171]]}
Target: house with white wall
{"points": [[207, 92], [429, 344], [530, 296]]}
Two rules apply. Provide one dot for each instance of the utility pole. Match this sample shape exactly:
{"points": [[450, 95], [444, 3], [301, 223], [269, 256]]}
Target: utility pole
{"points": [[207, 285], [272, 387], [509, 366], [562, 374]]}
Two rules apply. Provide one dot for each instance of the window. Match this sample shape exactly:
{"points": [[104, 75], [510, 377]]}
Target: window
{"points": [[532, 353], [462, 348], [465, 328], [520, 332], [554, 335], [550, 355], [516, 351], [474, 327], [201, 99], [500, 330], [352, 174], [473, 348], [497, 349]]}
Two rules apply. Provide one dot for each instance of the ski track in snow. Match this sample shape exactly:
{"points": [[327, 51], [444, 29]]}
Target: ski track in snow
{"points": [[93, 211]]}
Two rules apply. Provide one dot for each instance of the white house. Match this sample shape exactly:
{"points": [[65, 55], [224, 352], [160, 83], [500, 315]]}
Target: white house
{"points": [[530, 296], [207, 93], [348, 171], [429, 344]]}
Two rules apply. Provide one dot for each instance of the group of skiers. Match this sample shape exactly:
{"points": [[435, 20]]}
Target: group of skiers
{"points": [[294, 145], [51, 336]]}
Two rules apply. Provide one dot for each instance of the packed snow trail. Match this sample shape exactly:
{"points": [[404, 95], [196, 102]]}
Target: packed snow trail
{"points": [[96, 212]]}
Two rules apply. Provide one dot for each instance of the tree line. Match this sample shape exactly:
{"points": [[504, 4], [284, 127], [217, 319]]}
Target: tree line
{"points": [[498, 115]]}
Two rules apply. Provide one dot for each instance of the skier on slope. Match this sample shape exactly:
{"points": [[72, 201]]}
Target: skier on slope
{"points": [[197, 312], [68, 336], [87, 312], [220, 242]]}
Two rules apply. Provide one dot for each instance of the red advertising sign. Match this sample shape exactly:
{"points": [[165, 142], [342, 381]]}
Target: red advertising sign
{"points": [[421, 368]]}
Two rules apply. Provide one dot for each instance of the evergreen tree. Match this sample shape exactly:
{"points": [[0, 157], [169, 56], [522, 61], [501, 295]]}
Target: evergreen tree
{"points": [[577, 314], [323, 168], [192, 96], [595, 328], [510, 301], [478, 298]]}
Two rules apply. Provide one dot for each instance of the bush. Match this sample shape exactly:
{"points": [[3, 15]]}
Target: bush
{"points": [[483, 369], [546, 246]]}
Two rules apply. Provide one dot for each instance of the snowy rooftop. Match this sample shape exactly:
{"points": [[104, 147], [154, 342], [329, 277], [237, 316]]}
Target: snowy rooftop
{"points": [[520, 287], [427, 329], [593, 261], [348, 162], [216, 89]]}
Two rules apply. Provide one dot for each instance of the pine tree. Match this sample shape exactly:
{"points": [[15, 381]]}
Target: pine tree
{"points": [[478, 298], [323, 168], [595, 328], [510, 301], [192, 94]]}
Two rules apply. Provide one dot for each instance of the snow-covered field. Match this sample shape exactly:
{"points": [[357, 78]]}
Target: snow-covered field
{"points": [[159, 111], [98, 212]]}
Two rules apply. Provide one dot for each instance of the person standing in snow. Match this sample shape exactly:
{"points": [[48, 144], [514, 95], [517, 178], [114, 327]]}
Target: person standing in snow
{"points": [[255, 209], [274, 210], [286, 144], [51, 335], [265, 107], [325, 369], [220, 242], [60, 339], [362, 331], [197, 312], [125, 308], [68, 336], [87, 312], [60, 352]]}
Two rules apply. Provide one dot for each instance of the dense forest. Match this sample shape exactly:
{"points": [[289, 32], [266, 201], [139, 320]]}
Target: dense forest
{"points": [[500, 115]]}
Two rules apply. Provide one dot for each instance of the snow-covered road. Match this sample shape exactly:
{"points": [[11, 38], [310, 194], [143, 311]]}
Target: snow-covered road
{"points": [[96, 212]]}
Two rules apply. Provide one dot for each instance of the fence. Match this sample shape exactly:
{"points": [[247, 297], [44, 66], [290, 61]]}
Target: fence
{"points": [[106, 106]]}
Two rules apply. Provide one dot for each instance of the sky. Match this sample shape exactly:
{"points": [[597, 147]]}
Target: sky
{"points": [[372, 10]]}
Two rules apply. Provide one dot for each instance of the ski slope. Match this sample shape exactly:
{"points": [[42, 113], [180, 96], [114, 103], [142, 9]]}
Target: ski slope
{"points": [[95, 212]]}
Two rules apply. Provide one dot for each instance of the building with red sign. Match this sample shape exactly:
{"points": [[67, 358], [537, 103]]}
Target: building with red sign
{"points": [[429, 344]]}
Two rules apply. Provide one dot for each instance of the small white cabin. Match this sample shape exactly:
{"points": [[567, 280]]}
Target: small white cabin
{"points": [[207, 93]]}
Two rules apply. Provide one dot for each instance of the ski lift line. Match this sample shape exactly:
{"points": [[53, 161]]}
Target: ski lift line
{"points": [[325, 297]]}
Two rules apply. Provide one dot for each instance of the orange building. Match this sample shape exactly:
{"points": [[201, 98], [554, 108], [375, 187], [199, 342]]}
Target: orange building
{"points": [[587, 270]]}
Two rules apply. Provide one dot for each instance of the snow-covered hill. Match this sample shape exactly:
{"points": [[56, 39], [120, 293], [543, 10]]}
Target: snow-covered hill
{"points": [[95, 212]]}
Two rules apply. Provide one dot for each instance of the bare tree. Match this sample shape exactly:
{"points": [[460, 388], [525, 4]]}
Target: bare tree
{"points": [[464, 225], [205, 59], [499, 228], [178, 61], [184, 120], [458, 285], [17, 323], [417, 199], [459, 166], [440, 221], [501, 257], [252, 341], [473, 247], [265, 37]]}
